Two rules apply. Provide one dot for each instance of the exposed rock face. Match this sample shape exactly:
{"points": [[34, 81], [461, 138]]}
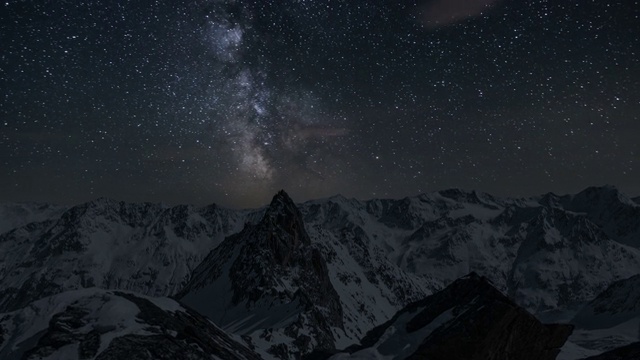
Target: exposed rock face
{"points": [[112, 325], [487, 326], [279, 286], [467, 320]]}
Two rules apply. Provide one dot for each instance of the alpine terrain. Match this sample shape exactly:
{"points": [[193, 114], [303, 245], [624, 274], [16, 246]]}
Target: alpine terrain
{"points": [[439, 275]]}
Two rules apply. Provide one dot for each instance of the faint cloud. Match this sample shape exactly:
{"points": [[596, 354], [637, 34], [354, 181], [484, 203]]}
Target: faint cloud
{"points": [[437, 13]]}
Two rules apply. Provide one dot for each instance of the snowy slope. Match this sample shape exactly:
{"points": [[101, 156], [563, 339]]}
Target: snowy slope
{"points": [[147, 248], [98, 324], [609, 321]]}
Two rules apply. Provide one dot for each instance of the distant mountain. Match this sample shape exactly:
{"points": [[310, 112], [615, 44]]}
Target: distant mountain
{"points": [[548, 253], [468, 320], [147, 248], [113, 325], [14, 215]]}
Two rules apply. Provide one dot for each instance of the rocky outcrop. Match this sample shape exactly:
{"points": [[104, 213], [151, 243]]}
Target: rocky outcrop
{"points": [[468, 320], [280, 293], [487, 326]]}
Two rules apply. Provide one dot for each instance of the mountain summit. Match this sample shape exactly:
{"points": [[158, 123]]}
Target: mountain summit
{"points": [[269, 276], [283, 223]]}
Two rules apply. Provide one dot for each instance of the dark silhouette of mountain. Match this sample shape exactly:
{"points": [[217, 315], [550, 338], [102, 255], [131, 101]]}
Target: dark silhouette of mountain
{"points": [[469, 319]]}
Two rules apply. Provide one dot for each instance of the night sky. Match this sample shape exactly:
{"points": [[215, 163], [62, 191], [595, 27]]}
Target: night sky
{"points": [[229, 101]]}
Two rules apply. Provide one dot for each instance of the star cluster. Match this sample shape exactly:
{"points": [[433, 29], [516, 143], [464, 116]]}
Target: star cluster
{"points": [[228, 101]]}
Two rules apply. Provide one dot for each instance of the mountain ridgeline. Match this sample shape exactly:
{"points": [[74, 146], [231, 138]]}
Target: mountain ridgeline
{"points": [[420, 277]]}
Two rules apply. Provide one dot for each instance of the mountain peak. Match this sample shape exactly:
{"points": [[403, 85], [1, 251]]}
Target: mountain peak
{"points": [[282, 208], [469, 319], [600, 197], [281, 197], [604, 189], [284, 225]]}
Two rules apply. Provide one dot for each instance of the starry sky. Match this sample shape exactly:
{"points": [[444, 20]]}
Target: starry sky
{"points": [[228, 101]]}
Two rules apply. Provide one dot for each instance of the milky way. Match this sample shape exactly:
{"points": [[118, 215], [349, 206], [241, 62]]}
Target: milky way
{"points": [[229, 101]]}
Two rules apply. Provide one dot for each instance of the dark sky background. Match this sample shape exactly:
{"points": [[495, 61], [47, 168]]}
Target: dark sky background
{"points": [[229, 101]]}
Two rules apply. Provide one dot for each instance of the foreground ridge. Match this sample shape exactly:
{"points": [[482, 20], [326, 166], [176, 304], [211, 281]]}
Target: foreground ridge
{"points": [[471, 320]]}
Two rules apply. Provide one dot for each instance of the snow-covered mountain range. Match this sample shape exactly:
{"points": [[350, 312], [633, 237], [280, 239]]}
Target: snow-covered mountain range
{"points": [[292, 280], [148, 248]]}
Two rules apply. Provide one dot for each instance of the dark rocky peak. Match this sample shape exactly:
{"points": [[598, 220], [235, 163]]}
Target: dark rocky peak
{"points": [[597, 198], [614, 212], [272, 268], [455, 194], [550, 200], [469, 319], [283, 227], [472, 197], [282, 205], [275, 243], [460, 293]]}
